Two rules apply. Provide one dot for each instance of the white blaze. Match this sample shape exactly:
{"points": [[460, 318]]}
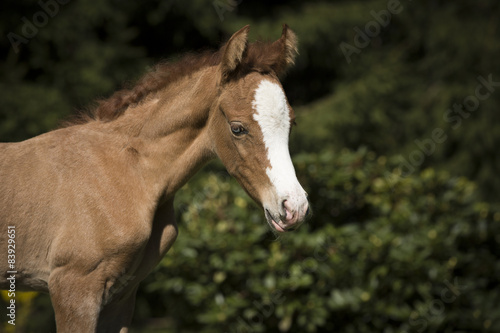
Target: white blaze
{"points": [[273, 116]]}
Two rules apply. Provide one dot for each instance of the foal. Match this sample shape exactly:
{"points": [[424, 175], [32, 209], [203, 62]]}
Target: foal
{"points": [[92, 203]]}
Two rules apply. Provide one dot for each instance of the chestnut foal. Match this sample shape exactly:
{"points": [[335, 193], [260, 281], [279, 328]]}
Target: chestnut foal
{"points": [[92, 203]]}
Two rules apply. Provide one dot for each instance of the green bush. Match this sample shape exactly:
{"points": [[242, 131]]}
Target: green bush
{"points": [[382, 253]]}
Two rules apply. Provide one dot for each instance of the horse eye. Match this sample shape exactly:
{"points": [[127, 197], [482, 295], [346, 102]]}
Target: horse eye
{"points": [[237, 129]]}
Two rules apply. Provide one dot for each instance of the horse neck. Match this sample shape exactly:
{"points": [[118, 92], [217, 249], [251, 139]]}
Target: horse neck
{"points": [[169, 133]]}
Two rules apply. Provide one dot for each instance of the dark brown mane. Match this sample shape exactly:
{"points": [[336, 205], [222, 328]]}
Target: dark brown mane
{"points": [[260, 56]]}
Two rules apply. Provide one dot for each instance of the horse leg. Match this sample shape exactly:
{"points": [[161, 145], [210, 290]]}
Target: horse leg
{"points": [[76, 301], [85, 304], [116, 316]]}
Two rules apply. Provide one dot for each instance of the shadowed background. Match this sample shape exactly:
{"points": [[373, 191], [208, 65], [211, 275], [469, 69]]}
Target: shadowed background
{"points": [[398, 128]]}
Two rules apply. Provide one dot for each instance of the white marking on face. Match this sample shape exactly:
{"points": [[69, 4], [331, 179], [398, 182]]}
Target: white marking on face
{"points": [[273, 116]]}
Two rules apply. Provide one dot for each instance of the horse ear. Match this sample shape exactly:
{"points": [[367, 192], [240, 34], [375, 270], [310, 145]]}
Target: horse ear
{"points": [[233, 52], [287, 47]]}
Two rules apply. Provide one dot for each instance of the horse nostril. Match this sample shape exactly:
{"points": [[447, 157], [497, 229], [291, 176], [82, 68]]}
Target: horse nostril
{"points": [[288, 211], [308, 211], [285, 206]]}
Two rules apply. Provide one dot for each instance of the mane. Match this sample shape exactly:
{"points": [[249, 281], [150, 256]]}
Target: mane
{"points": [[260, 57]]}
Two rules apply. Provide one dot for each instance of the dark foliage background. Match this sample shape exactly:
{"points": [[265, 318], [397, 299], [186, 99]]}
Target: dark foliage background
{"points": [[396, 143]]}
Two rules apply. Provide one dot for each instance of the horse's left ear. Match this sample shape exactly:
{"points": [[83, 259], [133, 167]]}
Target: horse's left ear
{"points": [[287, 48]]}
